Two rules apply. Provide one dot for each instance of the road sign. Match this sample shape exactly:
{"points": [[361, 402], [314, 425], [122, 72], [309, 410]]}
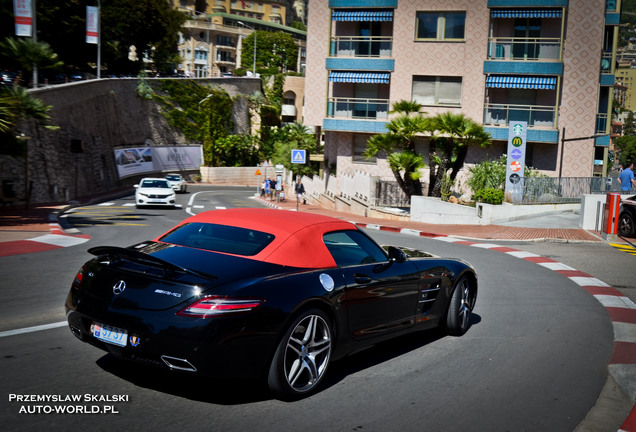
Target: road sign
{"points": [[258, 172], [298, 156]]}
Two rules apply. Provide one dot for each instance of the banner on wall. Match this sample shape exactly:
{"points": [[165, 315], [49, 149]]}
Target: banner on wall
{"points": [[141, 160], [23, 17]]}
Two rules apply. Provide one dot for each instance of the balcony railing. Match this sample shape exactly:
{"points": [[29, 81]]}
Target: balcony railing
{"points": [[361, 46], [601, 123], [606, 63], [358, 108], [536, 115], [509, 48]]}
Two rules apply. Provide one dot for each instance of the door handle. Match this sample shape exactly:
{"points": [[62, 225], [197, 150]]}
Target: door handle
{"points": [[361, 278]]}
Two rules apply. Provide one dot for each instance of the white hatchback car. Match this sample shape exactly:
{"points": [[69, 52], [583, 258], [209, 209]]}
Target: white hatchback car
{"points": [[154, 191], [177, 182]]}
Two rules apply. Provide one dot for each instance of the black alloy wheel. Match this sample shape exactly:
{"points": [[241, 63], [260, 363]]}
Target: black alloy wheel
{"points": [[460, 307]]}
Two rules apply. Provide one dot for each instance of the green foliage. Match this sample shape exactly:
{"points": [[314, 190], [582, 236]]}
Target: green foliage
{"points": [[626, 146], [237, 150], [629, 128], [298, 25], [201, 113], [24, 53], [447, 187], [490, 196], [291, 137], [487, 174], [273, 49]]}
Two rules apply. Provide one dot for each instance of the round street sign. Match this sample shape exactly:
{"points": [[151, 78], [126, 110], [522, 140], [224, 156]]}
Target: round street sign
{"points": [[514, 178], [517, 141], [516, 153], [515, 166]]}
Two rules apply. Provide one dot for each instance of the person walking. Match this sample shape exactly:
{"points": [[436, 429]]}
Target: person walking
{"points": [[300, 190], [626, 178]]}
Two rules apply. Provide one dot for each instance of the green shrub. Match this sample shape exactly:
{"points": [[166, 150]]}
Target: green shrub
{"points": [[490, 196]]}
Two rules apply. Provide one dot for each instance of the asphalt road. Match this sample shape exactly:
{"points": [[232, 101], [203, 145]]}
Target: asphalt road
{"points": [[534, 359]]}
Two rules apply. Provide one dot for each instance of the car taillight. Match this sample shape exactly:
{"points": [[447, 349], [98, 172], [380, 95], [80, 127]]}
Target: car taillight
{"points": [[77, 282], [214, 306]]}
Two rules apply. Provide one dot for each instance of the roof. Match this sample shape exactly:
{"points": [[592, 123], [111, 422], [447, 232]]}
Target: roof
{"points": [[298, 236]]}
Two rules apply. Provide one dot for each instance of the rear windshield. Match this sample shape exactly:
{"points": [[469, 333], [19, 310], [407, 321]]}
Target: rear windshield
{"points": [[219, 238], [173, 177]]}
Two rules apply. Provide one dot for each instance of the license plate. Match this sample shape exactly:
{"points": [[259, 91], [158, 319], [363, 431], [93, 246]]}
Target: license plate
{"points": [[109, 334]]}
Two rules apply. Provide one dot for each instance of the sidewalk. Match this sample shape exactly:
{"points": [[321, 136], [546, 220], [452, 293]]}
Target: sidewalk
{"points": [[551, 229]]}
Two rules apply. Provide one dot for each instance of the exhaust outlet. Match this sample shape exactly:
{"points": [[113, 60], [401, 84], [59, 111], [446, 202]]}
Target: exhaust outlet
{"points": [[178, 364]]}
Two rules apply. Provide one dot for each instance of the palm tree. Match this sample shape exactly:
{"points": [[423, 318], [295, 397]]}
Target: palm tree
{"points": [[16, 103], [452, 136], [29, 54], [399, 145]]}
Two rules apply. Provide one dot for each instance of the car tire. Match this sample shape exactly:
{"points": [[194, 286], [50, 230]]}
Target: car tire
{"points": [[303, 354], [626, 225], [460, 307]]}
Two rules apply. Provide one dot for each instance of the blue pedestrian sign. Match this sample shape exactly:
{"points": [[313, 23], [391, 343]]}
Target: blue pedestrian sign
{"points": [[298, 156]]}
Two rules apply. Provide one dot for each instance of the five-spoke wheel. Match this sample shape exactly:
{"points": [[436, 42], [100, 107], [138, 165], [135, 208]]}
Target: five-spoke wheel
{"points": [[302, 356], [460, 307]]}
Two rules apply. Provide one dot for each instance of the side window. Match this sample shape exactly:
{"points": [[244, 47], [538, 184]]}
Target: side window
{"points": [[353, 248]]}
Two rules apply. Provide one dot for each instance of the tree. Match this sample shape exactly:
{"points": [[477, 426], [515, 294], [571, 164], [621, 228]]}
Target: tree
{"points": [[275, 51], [627, 149], [25, 54], [17, 104], [452, 136], [290, 137], [629, 128], [399, 145]]}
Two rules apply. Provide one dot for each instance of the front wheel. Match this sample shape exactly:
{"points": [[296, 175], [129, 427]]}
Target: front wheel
{"points": [[626, 225], [460, 307], [302, 357]]}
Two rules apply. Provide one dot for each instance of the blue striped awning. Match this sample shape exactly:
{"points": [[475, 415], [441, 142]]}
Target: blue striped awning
{"points": [[362, 15], [522, 82], [526, 13], [359, 77]]}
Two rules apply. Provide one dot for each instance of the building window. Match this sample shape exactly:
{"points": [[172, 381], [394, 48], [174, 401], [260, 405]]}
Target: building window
{"points": [[200, 55], [359, 147], [440, 26], [437, 90]]}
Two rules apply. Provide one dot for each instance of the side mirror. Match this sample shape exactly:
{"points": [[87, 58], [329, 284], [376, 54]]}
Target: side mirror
{"points": [[136, 186], [396, 255]]}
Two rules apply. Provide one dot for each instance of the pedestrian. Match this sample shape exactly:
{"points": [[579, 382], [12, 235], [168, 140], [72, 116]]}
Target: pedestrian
{"points": [[626, 178], [263, 188], [267, 184], [300, 190]]}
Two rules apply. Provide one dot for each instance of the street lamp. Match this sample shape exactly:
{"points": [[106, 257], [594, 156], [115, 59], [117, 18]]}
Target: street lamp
{"points": [[254, 62]]}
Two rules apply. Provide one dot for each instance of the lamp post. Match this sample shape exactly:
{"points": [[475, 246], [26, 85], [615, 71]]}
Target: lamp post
{"points": [[254, 62]]}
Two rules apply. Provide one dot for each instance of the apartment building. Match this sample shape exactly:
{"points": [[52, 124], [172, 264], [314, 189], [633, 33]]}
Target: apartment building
{"points": [[212, 40], [547, 62]]}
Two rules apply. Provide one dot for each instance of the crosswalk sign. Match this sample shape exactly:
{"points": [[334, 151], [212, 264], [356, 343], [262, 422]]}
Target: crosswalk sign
{"points": [[298, 156]]}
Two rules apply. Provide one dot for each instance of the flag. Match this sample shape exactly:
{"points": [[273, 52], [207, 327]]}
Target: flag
{"points": [[243, 3], [92, 20], [23, 17]]}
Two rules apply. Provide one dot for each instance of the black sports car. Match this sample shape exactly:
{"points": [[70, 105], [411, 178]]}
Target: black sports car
{"points": [[262, 293], [627, 217]]}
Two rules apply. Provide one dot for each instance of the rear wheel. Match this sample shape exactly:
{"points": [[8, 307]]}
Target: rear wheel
{"points": [[626, 225], [460, 307], [302, 357]]}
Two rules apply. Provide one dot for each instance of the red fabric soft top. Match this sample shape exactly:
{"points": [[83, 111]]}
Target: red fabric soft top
{"points": [[298, 236]]}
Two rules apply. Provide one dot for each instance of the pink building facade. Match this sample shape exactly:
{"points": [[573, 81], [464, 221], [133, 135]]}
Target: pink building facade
{"points": [[548, 62]]}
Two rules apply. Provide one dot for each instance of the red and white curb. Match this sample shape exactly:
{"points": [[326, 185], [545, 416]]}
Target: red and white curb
{"points": [[56, 238], [622, 311]]}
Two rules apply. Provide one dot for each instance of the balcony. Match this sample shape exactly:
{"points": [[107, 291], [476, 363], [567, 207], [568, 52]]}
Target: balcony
{"points": [[524, 49], [537, 116], [361, 46], [358, 108], [601, 123]]}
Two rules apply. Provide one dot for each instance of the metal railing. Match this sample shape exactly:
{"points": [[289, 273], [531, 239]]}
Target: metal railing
{"points": [[535, 115], [358, 108], [560, 190], [532, 49], [361, 46]]}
